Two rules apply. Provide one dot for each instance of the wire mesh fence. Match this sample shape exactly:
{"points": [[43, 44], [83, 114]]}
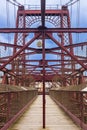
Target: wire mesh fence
{"points": [[11, 103], [74, 103]]}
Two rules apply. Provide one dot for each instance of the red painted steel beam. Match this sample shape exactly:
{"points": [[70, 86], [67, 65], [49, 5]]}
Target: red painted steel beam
{"points": [[40, 78], [39, 51], [56, 53], [55, 71], [4, 58], [32, 69], [65, 30], [43, 69], [77, 71], [9, 45], [48, 30], [18, 46], [50, 60], [43, 13], [81, 57], [70, 54], [38, 12], [17, 53], [76, 45], [72, 45], [8, 72], [50, 50], [30, 53]]}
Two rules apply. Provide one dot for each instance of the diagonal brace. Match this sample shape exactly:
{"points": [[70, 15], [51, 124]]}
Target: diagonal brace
{"points": [[22, 49], [63, 48]]}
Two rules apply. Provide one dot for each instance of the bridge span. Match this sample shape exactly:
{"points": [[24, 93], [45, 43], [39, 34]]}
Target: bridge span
{"points": [[23, 109], [56, 119]]}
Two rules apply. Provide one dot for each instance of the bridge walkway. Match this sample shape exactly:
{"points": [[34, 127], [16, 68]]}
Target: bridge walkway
{"points": [[56, 119]]}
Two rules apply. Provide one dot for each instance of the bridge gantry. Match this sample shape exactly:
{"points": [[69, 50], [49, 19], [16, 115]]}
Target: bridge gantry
{"points": [[43, 50]]}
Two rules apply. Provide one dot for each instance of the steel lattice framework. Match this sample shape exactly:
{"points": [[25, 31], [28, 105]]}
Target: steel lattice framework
{"points": [[61, 68], [53, 60]]}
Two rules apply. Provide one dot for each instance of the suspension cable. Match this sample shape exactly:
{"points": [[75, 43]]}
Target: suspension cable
{"points": [[60, 2], [71, 2], [17, 2], [68, 2], [8, 25], [14, 3], [14, 12], [78, 24], [8, 22]]}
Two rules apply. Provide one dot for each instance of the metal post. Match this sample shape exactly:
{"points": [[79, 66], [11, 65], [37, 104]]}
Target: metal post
{"points": [[44, 104], [43, 56], [8, 96], [82, 110]]}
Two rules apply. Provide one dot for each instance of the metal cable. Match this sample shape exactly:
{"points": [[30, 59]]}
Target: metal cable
{"points": [[71, 2], [14, 3], [17, 2], [78, 24]]}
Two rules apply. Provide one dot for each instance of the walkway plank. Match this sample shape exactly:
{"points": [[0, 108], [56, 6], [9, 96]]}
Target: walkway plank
{"points": [[56, 119]]}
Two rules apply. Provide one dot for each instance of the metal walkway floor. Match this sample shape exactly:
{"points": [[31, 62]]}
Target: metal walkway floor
{"points": [[56, 119]]}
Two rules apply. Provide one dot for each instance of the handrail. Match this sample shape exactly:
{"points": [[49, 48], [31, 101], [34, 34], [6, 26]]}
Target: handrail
{"points": [[74, 103], [13, 104]]}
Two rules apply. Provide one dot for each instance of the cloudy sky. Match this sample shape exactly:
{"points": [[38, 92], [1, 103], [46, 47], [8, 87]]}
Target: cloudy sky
{"points": [[76, 9]]}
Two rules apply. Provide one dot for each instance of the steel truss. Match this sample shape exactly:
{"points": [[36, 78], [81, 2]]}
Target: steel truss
{"points": [[39, 62], [21, 49]]}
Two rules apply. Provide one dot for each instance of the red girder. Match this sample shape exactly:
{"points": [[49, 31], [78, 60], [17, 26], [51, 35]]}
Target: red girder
{"points": [[72, 45], [38, 12], [70, 54], [5, 70], [17, 53], [47, 30]]}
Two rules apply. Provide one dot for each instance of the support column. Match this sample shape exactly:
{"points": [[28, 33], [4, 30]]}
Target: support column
{"points": [[81, 80], [44, 100], [5, 79]]}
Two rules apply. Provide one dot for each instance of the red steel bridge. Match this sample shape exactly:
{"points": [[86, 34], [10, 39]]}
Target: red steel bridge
{"points": [[43, 51]]}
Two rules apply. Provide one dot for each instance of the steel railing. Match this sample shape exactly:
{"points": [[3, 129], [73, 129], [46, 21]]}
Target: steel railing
{"points": [[12, 104], [74, 103]]}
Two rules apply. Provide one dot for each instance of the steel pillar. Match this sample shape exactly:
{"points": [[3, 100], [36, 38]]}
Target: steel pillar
{"points": [[43, 13], [5, 79], [44, 100]]}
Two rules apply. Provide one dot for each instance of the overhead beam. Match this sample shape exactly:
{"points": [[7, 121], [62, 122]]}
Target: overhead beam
{"points": [[55, 12], [72, 45], [46, 30]]}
